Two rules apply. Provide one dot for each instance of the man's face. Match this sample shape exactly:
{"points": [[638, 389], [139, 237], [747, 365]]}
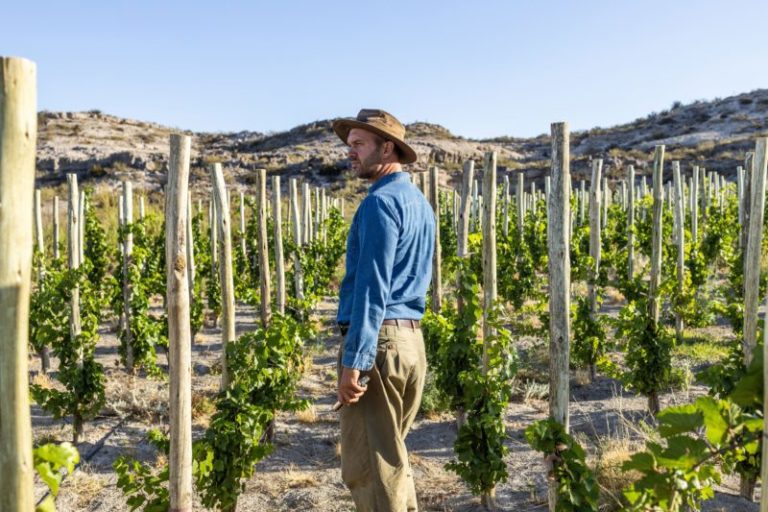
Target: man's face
{"points": [[365, 149]]}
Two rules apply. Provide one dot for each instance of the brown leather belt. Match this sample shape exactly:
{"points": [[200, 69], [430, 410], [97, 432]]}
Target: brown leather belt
{"points": [[398, 322]]}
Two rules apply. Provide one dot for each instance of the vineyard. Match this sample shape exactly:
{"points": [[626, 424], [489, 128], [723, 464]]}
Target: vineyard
{"points": [[592, 344]]}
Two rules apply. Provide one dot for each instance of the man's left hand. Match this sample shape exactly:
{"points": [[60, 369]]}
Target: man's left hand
{"points": [[349, 390]]}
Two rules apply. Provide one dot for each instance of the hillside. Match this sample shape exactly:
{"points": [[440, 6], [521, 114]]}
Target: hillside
{"points": [[104, 149]]}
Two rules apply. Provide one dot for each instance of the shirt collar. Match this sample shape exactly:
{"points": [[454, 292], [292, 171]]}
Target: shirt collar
{"points": [[389, 178]]}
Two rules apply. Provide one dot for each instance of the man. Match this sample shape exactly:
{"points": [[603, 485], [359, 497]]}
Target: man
{"points": [[382, 299]]}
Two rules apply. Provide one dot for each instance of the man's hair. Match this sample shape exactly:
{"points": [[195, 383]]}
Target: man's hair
{"points": [[380, 141]]}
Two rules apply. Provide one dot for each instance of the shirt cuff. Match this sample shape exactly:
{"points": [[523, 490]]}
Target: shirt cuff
{"points": [[357, 361]]}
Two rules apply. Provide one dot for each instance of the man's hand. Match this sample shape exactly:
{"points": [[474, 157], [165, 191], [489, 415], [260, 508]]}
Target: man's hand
{"points": [[349, 390]]}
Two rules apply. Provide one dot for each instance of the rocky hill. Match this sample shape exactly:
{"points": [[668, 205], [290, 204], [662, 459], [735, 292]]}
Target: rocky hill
{"points": [[104, 149]]}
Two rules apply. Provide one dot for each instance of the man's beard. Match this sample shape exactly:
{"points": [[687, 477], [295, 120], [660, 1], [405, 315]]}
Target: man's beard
{"points": [[369, 166]]}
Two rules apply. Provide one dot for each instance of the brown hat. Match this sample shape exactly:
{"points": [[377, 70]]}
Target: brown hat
{"points": [[380, 123]]}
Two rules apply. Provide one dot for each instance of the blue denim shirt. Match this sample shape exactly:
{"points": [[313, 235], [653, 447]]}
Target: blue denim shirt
{"points": [[389, 264]]}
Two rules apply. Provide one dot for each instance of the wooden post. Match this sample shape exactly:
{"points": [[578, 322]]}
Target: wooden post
{"points": [[81, 225], [437, 283], [754, 244], [680, 240], [18, 138], [748, 172], [558, 234], [306, 214], [298, 277], [39, 244], [462, 245], [519, 194], [279, 264], [489, 274], [127, 288], [73, 254], [56, 241], [261, 191], [221, 204], [631, 222], [190, 245], [606, 199], [243, 247], [595, 202], [141, 208], [695, 207], [506, 205], [654, 299], [179, 335], [656, 237]]}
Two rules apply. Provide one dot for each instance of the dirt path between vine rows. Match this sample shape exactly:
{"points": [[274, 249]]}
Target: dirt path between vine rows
{"points": [[303, 471]]}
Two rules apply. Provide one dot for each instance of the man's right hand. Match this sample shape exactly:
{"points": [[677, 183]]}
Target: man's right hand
{"points": [[349, 390]]}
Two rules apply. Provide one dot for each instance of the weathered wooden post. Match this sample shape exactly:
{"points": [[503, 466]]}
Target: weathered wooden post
{"points": [[749, 161], [179, 334], [680, 240], [278, 236], [754, 244], [190, 246], [631, 222], [558, 232], [73, 255], [127, 257], [298, 278], [56, 241], [654, 299], [506, 205], [18, 139], [759, 163], [462, 246], [695, 207], [221, 208], [489, 275], [437, 283], [595, 202], [261, 218], [243, 247], [520, 196]]}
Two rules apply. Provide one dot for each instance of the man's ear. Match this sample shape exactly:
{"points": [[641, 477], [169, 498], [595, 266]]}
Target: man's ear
{"points": [[389, 148]]}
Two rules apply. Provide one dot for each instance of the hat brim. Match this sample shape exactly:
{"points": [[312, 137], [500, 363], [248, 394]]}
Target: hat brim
{"points": [[342, 128]]}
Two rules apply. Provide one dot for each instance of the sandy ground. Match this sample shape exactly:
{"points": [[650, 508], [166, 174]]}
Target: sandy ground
{"points": [[303, 471]]}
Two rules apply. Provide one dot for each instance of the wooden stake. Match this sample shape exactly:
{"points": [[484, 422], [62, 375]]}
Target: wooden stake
{"points": [[221, 203], [558, 242], [437, 283], [56, 241], [18, 138], [595, 201], [631, 222], [680, 240], [279, 264], [489, 274], [127, 288], [654, 299], [177, 240], [754, 244], [298, 275], [261, 191]]}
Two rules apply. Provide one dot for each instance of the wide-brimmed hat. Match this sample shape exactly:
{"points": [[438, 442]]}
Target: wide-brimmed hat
{"points": [[381, 123]]}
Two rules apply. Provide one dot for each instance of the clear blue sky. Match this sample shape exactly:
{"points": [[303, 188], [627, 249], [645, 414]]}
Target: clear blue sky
{"points": [[479, 68]]}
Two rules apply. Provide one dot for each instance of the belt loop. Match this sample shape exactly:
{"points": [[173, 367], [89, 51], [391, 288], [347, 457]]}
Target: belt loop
{"points": [[397, 323]]}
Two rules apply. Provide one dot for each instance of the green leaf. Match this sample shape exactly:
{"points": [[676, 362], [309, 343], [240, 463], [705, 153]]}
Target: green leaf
{"points": [[680, 419]]}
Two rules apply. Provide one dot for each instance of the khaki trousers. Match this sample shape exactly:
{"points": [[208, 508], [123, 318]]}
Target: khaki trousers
{"points": [[374, 461]]}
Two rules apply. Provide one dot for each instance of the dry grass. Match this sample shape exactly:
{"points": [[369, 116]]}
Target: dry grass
{"points": [[143, 398], [308, 415], [611, 454], [43, 381], [203, 407], [85, 486], [295, 479]]}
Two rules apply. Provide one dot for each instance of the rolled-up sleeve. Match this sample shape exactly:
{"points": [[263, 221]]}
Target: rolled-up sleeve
{"points": [[378, 236]]}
